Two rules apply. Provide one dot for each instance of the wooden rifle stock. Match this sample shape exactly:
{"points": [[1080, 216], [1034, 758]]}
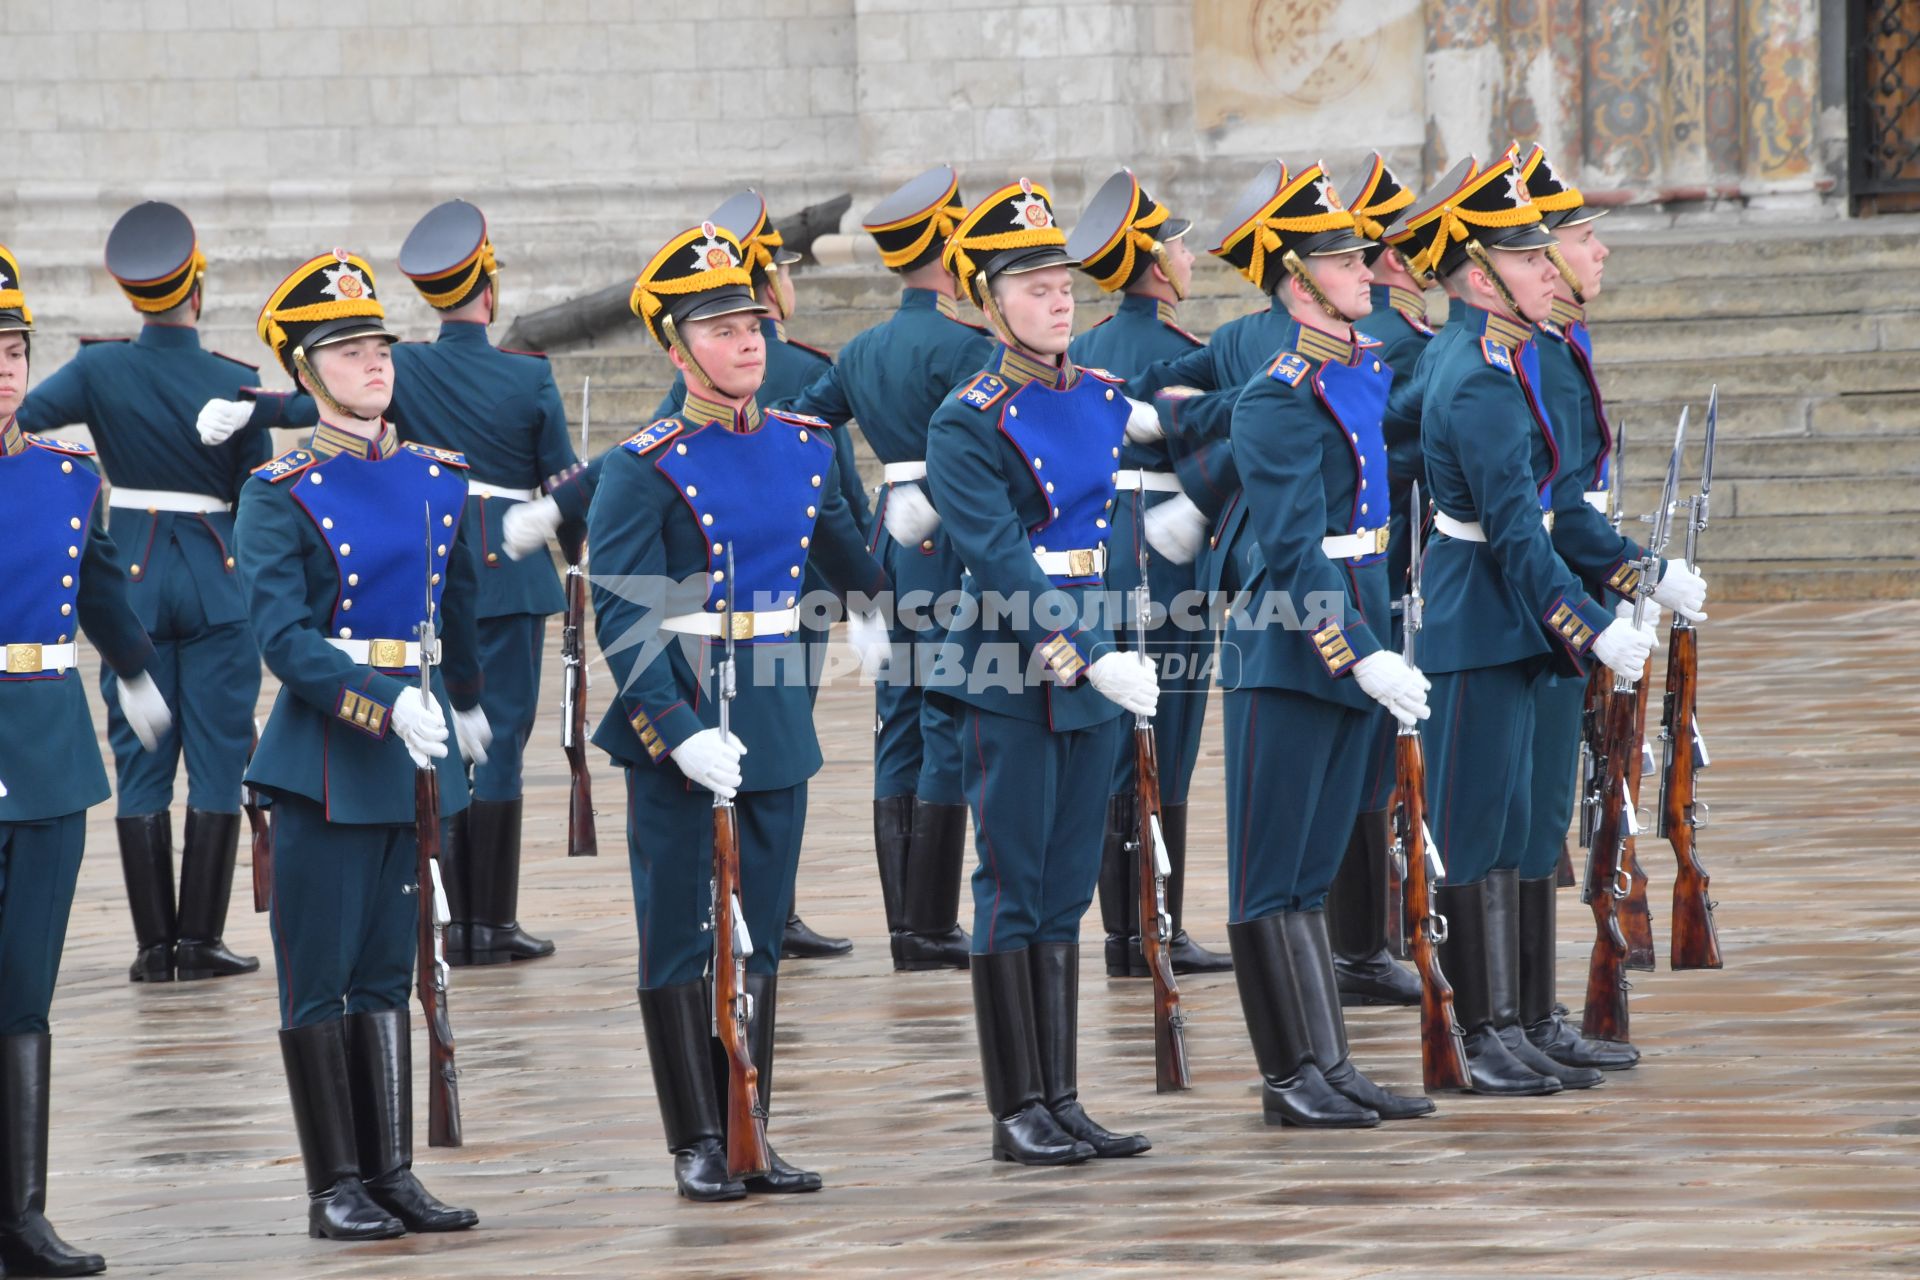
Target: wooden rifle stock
{"points": [[582, 840], [1636, 920], [443, 1089], [746, 1119], [1695, 942], [1443, 1054], [1170, 1069], [1606, 1011]]}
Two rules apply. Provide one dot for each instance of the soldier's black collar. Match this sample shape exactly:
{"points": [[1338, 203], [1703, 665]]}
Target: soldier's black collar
{"points": [[1019, 368], [329, 441], [699, 411], [12, 441], [1567, 312], [153, 334]]}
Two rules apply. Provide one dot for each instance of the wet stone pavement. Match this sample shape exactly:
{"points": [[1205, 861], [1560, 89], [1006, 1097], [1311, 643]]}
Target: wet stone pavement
{"points": [[1772, 1129]]}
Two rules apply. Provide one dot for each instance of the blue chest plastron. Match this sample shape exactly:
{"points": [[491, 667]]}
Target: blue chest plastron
{"points": [[1356, 396], [758, 491], [1070, 441], [375, 517], [48, 495]]}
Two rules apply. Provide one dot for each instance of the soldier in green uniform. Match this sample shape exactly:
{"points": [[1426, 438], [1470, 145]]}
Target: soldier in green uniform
{"points": [[347, 547], [58, 575], [170, 511], [1605, 561], [1503, 610], [1131, 245]]}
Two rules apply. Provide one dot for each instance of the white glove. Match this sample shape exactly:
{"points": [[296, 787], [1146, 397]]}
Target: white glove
{"points": [[527, 526], [221, 418], [1176, 528], [420, 725], [910, 517], [1385, 677], [473, 734], [145, 710], [712, 761], [1128, 679], [1649, 624], [1683, 591], [1143, 423], [1624, 648], [867, 633]]}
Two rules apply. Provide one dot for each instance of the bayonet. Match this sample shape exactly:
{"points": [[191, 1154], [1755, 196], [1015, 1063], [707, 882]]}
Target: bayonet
{"points": [[586, 409]]}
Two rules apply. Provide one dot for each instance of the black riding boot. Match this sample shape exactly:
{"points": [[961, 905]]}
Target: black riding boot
{"points": [[206, 886], [1188, 956], [801, 942], [1464, 957], [379, 1048], [456, 878], [780, 1177], [28, 1243], [1119, 891], [494, 935], [1503, 941], [1544, 1018], [678, 1022], [1056, 1012], [1313, 967], [1293, 1090], [319, 1081], [930, 934], [892, 835], [1358, 917], [1024, 1130], [146, 860]]}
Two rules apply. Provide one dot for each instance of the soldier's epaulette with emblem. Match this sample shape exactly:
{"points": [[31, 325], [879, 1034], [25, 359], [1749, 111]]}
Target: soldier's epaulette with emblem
{"points": [[54, 445], [447, 456], [252, 368], [1365, 340], [290, 463], [1190, 336], [650, 438], [1497, 355], [94, 342], [983, 391], [1289, 368], [1102, 374], [1418, 324], [1097, 323], [800, 419], [811, 350]]}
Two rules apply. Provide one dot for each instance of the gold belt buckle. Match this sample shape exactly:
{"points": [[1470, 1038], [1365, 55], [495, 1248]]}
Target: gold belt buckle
{"points": [[387, 653], [1379, 540], [24, 659], [1080, 563], [741, 625]]}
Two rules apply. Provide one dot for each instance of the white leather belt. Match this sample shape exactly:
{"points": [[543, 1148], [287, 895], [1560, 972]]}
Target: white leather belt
{"points": [[390, 654], [901, 472], [1151, 481], [165, 500], [481, 489], [1597, 499], [746, 625], [1084, 563], [1471, 531], [31, 659], [1346, 546]]}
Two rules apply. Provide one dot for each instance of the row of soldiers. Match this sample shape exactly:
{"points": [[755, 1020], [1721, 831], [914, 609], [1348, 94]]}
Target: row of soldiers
{"points": [[1021, 464]]}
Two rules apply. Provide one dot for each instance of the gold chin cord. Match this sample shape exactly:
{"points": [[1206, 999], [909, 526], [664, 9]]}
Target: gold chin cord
{"points": [[983, 290], [1484, 261], [302, 365], [1165, 264], [674, 340], [493, 287], [782, 293], [1565, 268], [1298, 270]]}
